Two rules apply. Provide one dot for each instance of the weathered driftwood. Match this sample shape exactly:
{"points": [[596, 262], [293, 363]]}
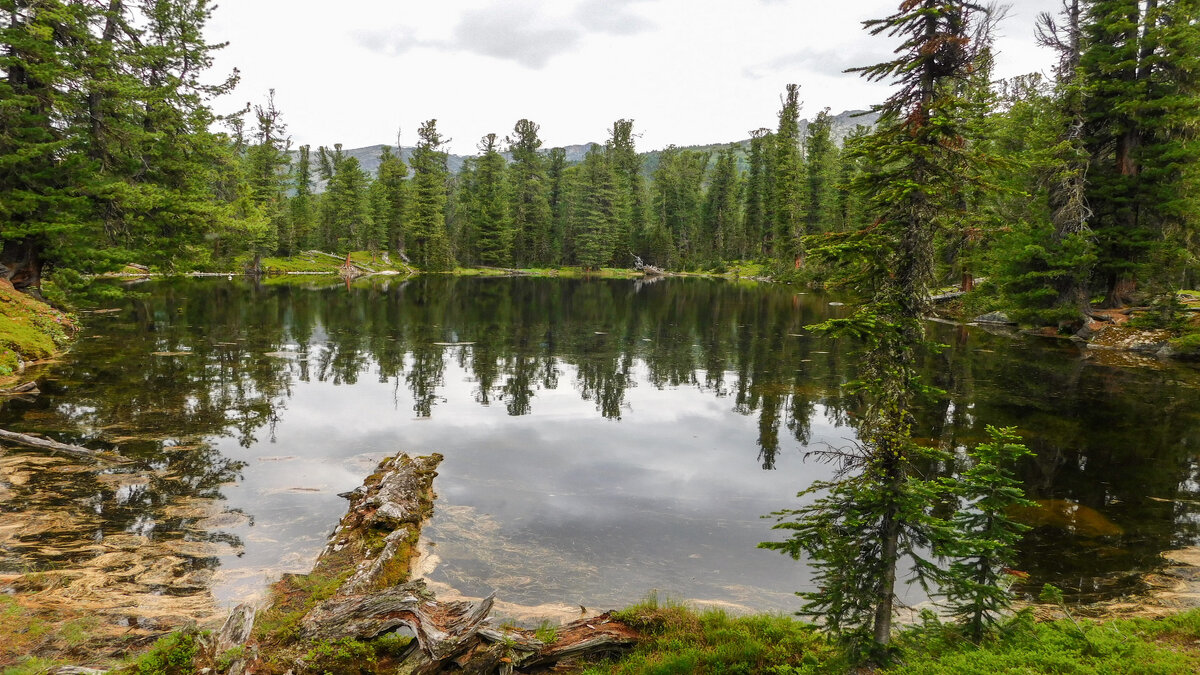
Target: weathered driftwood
{"points": [[29, 388], [73, 450], [371, 550]]}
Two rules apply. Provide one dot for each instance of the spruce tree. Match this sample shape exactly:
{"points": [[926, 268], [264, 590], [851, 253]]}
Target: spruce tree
{"points": [[426, 240], [530, 205], [489, 219], [631, 190], [392, 182], [820, 165], [757, 194], [788, 188], [722, 223], [595, 210], [877, 512], [557, 195], [301, 203]]}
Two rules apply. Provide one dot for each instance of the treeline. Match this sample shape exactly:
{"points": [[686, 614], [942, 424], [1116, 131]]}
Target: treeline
{"points": [[516, 204], [111, 153]]}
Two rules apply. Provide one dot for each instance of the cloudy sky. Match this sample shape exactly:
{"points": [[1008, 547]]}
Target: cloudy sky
{"points": [[687, 71]]}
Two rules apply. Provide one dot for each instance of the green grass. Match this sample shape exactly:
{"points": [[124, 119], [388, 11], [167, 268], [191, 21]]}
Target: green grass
{"points": [[1159, 646], [175, 654], [683, 640]]}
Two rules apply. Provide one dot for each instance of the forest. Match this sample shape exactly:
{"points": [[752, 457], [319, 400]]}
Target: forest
{"points": [[1074, 190], [1052, 199]]}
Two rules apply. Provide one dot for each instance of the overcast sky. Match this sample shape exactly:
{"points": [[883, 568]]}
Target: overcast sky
{"points": [[687, 71]]}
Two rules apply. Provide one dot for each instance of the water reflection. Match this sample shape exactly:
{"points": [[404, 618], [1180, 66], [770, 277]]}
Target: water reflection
{"points": [[601, 437]]}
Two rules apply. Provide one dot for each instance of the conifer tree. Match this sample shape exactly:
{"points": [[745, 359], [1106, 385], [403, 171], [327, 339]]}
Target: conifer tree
{"points": [[426, 240], [301, 203], [678, 200], [1140, 112], [489, 219], [392, 182], [595, 210], [557, 194], [721, 212], [788, 188], [530, 206], [877, 511], [631, 190], [757, 195], [820, 164]]}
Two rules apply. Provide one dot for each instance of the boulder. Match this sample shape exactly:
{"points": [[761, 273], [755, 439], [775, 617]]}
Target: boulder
{"points": [[993, 317]]}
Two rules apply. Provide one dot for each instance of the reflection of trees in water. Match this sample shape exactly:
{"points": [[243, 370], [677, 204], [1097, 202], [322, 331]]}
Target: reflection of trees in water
{"points": [[1107, 438]]}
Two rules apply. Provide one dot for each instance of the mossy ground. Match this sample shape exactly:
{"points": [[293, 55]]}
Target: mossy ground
{"points": [[30, 330], [681, 640]]}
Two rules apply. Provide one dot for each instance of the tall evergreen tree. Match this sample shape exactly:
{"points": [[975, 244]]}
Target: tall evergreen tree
{"points": [[301, 203], [820, 164], [877, 512], [788, 188], [530, 206], [596, 210], [678, 198], [426, 240], [489, 220], [758, 225], [631, 188], [1140, 114], [722, 223], [558, 193], [392, 182]]}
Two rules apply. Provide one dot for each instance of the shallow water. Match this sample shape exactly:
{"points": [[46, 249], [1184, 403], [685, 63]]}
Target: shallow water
{"points": [[602, 438]]}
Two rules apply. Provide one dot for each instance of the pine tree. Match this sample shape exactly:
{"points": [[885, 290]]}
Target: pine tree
{"points": [[821, 159], [631, 190], [530, 206], [721, 212], [489, 219], [301, 203], [788, 188], [757, 195], [595, 210], [678, 199], [392, 182], [560, 208], [1139, 69], [986, 537], [877, 511], [427, 243]]}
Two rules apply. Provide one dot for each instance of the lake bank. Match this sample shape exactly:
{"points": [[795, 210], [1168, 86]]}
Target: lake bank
{"points": [[31, 331]]}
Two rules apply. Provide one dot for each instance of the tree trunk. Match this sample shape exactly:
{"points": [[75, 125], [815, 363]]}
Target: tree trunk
{"points": [[21, 261], [885, 601], [376, 597]]}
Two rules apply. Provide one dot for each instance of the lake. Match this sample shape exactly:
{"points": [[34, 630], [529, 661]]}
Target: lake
{"points": [[602, 438]]}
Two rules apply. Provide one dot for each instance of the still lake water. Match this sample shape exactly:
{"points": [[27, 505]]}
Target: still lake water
{"points": [[602, 438]]}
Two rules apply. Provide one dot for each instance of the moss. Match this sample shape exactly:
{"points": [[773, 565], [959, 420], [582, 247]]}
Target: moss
{"points": [[29, 330], [340, 657], [292, 597], [1187, 345], [174, 654]]}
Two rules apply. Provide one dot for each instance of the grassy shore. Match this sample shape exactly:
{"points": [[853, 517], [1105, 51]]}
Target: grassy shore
{"points": [[683, 640], [29, 331]]}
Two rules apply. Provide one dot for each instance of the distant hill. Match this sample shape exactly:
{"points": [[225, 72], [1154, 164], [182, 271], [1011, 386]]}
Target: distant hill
{"points": [[843, 124]]}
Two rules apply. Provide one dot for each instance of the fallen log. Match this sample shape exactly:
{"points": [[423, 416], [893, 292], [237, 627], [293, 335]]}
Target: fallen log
{"points": [[29, 388], [360, 590], [55, 446]]}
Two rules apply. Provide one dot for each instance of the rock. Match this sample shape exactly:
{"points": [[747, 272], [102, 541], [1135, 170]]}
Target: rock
{"points": [[1091, 329], [993, 317]]}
